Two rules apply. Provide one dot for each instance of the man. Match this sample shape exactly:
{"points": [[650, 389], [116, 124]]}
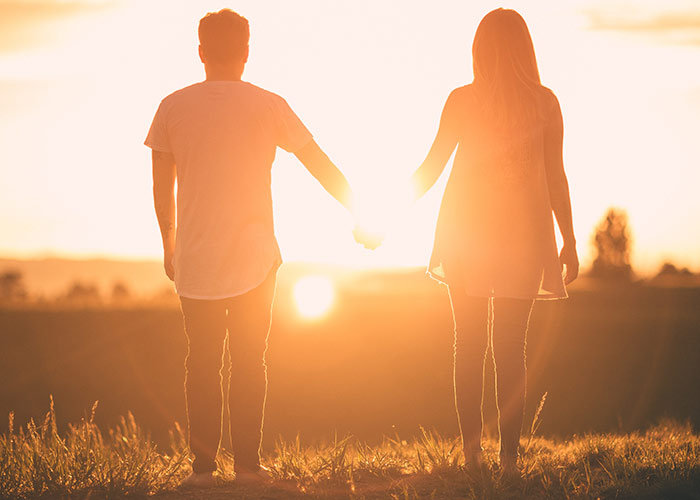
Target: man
{"points": [[218, 139]]}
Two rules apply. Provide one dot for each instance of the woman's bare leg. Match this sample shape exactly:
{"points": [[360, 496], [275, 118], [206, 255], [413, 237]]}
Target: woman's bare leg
{"points": [[470, 316], [511, 317]]}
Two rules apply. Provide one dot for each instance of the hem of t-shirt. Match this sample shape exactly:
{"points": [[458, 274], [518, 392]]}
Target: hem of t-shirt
{"points": [[275, 265], [157, 147]]}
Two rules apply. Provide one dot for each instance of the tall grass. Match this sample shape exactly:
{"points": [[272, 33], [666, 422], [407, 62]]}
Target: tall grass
{"points": [[36, 461]]}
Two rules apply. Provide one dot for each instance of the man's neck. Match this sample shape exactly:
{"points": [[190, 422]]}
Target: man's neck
{"points": [[223, 73]]}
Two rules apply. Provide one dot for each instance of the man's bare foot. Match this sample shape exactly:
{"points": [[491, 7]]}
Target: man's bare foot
{"points": [[199, 480]]}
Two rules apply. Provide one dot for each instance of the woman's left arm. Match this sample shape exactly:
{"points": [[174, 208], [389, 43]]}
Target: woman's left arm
{"points": [[441, 150], [559, 191], [371, 233]]}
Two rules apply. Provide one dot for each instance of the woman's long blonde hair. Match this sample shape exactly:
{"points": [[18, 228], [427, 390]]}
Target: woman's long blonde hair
{"points": [[505, 70]]}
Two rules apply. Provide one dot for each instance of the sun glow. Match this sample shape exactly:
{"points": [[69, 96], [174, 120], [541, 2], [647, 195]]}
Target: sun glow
{"points": [[314, 296]]}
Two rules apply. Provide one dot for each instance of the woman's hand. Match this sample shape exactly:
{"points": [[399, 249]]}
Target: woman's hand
{"points": [[568, 258]]}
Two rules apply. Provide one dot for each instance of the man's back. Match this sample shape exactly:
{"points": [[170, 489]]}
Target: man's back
{"points": [[223, 136]]}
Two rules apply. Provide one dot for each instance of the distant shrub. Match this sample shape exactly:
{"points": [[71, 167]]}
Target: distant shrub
{"points": [[12, 287], [83, 294], [120, 292], [671, 275], [669, 269]]}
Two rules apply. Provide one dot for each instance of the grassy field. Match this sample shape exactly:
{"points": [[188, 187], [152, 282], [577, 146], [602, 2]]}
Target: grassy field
{"points": [[39, 462]]}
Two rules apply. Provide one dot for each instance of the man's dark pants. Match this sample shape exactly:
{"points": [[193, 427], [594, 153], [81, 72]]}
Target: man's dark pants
{"points": [[246, 320]]}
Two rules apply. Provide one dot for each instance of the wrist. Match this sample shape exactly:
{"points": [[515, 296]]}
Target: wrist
{"points": [[416, 190], [349, 202], [169, 243]]}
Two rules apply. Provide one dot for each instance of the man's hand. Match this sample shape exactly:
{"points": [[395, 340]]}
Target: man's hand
{"points": [[164, 176], [168, 254], [568, 259], [168, 264]]}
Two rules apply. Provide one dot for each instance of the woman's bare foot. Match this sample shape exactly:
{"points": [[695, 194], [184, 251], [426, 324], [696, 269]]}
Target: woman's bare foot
{"points": [[258, 475]]}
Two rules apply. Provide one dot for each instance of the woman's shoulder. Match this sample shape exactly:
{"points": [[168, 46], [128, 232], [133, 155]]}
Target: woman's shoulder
{"points": [[461, 92], [548, 98], [460, 97]]}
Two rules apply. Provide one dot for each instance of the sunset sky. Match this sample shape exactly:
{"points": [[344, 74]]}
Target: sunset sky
{"points": [[81, 80]]}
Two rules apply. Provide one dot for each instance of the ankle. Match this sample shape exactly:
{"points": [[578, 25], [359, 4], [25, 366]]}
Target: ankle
{"points": [[247, 468], [473, 456], [509, 460]]}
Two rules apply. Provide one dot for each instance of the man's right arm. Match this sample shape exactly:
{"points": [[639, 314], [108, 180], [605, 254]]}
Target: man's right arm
{"points": [[164, 176], [325, 172]]}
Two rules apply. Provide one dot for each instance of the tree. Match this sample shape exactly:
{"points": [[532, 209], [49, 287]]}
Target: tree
{"points": [[12, 287], [612, 243]]}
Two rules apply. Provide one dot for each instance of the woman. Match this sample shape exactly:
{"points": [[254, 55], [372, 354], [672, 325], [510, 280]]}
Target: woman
{"points": [[494, 242]]}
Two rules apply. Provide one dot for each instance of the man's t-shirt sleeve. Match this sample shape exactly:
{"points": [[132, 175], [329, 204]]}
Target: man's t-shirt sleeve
{"points": [[157, 138], [292, 135]]}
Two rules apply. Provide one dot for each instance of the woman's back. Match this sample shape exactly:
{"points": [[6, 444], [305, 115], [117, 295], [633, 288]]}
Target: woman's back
{"points": [[493, 153], [495, 233]]}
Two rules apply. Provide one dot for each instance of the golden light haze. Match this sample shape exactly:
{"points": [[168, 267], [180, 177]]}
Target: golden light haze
{"points": [[313, 295], [80, 81]]}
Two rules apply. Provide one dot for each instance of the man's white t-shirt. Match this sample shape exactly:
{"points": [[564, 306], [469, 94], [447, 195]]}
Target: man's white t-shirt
{"points": [[223, 135]]}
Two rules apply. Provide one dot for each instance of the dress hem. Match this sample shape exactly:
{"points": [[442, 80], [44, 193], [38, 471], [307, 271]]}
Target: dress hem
{"points": [[548, 296]]}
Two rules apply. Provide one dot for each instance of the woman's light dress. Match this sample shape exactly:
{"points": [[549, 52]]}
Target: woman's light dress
{"points": [[495, 230]]}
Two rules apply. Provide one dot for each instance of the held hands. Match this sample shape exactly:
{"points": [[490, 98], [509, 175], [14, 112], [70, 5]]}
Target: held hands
{"points": [[370, 228], [370, 240], [568, 259], [376, 211]]}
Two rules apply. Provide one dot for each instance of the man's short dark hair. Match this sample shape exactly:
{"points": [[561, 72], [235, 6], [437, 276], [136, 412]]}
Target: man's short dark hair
{"points": [[224, 36]]}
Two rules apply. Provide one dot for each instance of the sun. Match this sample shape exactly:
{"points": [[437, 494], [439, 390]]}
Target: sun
{"points": [[314, 296]]}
